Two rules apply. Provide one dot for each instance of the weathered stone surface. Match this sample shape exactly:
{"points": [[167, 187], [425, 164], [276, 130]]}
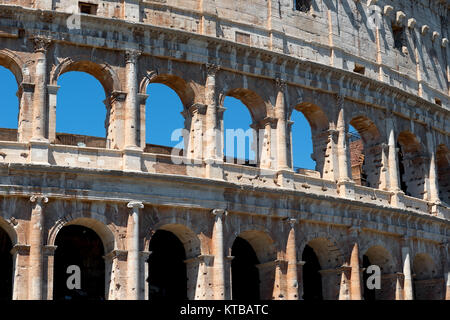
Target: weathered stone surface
{"points": [[328, 63]]}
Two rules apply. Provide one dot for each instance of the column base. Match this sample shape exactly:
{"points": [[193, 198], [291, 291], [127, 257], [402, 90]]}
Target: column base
{"points": [[346, 189], [285, 178], [39, 152], [396, 199], [132, 159], [214, 169]]}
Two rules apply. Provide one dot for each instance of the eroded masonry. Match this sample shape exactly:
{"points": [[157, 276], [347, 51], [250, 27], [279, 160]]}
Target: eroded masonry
{"points": [[143, 226]]}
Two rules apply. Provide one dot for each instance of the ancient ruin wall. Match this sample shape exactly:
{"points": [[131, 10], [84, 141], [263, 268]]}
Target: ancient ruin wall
{"points": [[328, 63]]}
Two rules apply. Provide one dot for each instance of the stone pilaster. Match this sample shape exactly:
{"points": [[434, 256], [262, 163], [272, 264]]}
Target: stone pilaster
{"points": [[132, 150], [194, 128], [228, 278], [214, 135], [25, 126], [204, 290], [52, 104], [433, 188], [218, 251], [345, 184], [446, 269], [355, 277], [280, 109], [408, 281], [133, 261], [48, 267], [399, 286], [291, 257], [20, 253], [115, 262], [344, 288], [41, 45], [131, 126], [36, 247], [393, 165], [263, 141], [143, 275], [39, 142]]}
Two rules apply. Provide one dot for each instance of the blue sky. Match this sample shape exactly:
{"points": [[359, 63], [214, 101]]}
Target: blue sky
{"points": [[80, 110]]}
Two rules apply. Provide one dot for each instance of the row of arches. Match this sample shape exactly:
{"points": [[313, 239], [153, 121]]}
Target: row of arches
{"points": [[167, 270], [170, 96]]}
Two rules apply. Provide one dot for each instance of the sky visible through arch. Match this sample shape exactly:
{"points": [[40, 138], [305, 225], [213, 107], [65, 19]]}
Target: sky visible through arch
{"points": [[81, 110]]}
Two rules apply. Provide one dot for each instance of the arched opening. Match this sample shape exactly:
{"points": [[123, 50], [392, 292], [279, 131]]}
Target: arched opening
{"points": [[9, 109], [427, 284], [413, 165], [82, 247], [312, 280], [309, 148], [443, 173], [81, 114], [6, 266], [164, 122], [365, 152], [302, 144], [323, 259], [167, 276], [244, 271], [369, 293], [239, 137], [379, 256]]}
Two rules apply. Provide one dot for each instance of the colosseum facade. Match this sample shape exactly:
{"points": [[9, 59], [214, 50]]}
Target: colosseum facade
{"points": [[129, 213]]}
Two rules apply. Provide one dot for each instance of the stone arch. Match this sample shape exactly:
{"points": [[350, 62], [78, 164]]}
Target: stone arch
{"points": [[366, 152], [103, 72], [378, 255], [319, 124], [181, 229], [12, 62], [182, 88], [93, 221], [329, 258], [443, 172], [14, 236], [327, 251], [259, 237], [315, 115], [424, 267], [254, 103], [428, 283], [413, 165]]}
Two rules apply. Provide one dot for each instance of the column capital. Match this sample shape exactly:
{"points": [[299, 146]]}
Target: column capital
{"points": [[212, 69], [41, 43], [120, 255], [280, 83], [135, 204], [219, 212], [292, 221], [39, 198], [145, 254], [131, 56], [21, 249], [50, 250]]}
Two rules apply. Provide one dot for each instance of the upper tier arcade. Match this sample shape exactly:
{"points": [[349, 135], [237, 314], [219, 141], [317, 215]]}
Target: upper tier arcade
{"points": [[401, 43]]}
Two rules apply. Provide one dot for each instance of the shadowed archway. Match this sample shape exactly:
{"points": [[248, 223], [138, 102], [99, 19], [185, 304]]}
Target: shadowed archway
{"points": [[6, 266], [244, 273], [79, 246], [166, 267]]}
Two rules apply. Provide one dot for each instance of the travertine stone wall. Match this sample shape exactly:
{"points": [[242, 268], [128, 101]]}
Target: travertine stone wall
{"points": [[277, 61]]}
